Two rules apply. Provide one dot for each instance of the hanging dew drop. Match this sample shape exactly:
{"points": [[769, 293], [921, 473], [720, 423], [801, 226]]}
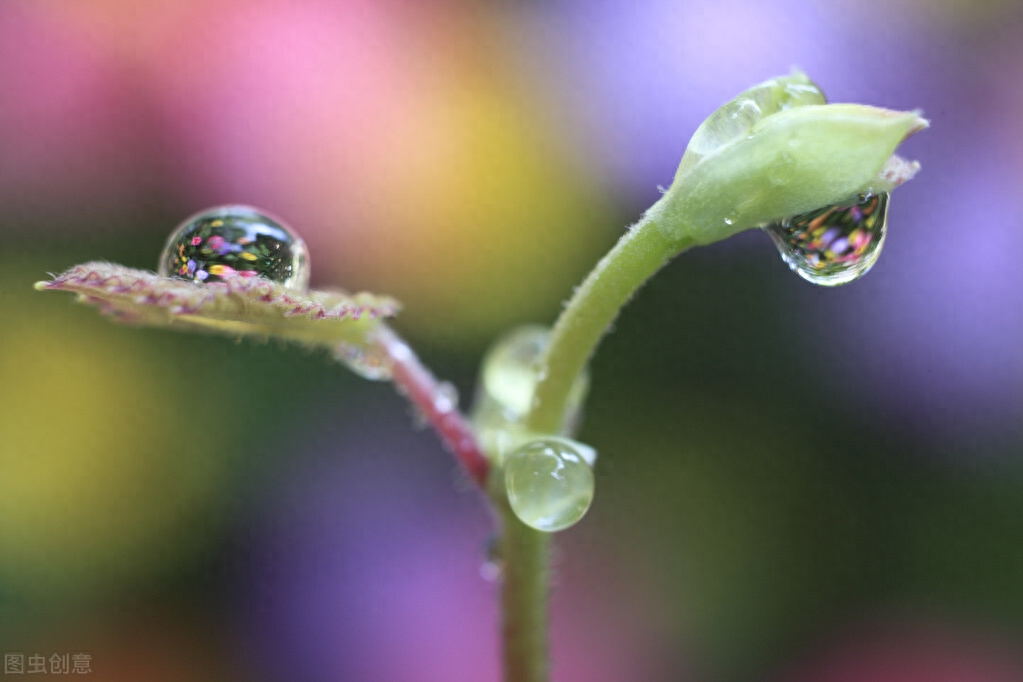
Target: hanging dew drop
{"points": [[367, 362], [549, 484], [493, 562], [836, 244], [235, 241]]}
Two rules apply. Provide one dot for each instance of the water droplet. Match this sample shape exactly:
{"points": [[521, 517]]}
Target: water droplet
{"points": [[737, 118], [446, 399], [368, 363], [748, 112], [493, 564], [419, 419], [511, 370], [549, 484], [239, 241], [512, 367], [836, 244], [490, 571], [780, 169]]}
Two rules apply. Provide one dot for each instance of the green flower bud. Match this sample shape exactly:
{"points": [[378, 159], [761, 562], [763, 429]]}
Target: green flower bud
{"points": [[736, 118], [773, 153]]}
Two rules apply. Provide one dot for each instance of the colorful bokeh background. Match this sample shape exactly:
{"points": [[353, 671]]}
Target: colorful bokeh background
{"points": [[794, 485]]}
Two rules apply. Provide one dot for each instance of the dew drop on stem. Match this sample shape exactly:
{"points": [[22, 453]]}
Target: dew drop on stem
{"points": [[493, 562], [549, 483], [368, 362]]}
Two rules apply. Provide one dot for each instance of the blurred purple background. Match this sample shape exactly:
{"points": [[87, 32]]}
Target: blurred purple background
{"points": [[791, 478]]}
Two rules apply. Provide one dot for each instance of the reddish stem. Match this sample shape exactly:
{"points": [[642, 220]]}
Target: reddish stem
{"points": [[439, 407]]}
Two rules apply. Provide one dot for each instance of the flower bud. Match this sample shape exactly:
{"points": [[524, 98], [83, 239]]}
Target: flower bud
{"points": [[751, 163], [736, 118]]}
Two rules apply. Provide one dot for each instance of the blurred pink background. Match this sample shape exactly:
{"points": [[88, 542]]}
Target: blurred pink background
{"points": [[796, 484]]}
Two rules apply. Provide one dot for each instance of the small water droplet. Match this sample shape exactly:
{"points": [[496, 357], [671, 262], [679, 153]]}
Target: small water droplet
{"points": [[490, 571], [493, 564], [510, 373], [367, 363], [235, 241], [513, 366], [549, 484], [835, 244], [780, 169], [748, 112], [446, 399], [419, 419]]}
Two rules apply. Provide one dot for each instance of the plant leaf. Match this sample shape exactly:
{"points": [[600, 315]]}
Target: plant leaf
{"points": [[237, 306]]}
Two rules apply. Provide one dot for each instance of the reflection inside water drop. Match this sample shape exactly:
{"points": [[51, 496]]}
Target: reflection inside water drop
{"points": [[235, 241], [549, 483], [836, 244]]}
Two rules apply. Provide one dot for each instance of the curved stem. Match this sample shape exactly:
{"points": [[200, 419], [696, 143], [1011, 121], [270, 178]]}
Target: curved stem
{"points": [[423, 390], [634, 259]]}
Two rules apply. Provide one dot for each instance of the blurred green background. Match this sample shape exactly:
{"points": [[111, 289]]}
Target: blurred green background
{"points": [[794, 483]]}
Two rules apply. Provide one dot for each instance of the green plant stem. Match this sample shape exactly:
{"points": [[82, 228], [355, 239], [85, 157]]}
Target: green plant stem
{"points": [[637, 256], [524, 556], [634, 259]]}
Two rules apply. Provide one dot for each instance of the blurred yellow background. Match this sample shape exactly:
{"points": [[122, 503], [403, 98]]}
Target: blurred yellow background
{"points": [[794, 483]]}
